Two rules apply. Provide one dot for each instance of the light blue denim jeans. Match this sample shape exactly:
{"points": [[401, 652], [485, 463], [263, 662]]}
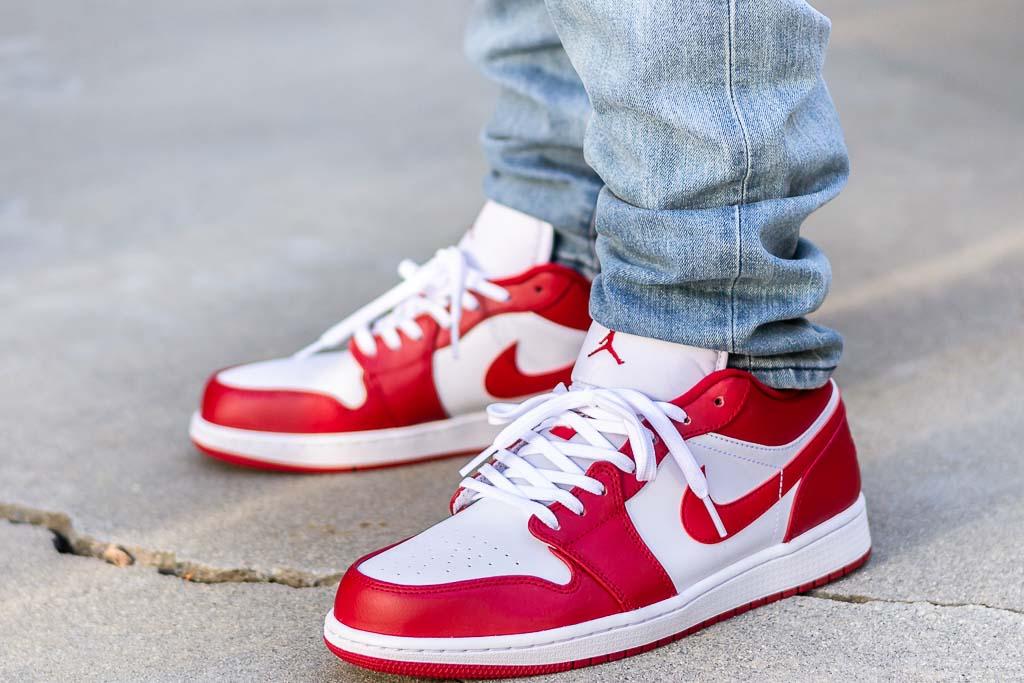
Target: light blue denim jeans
{"points": [[676, 146]]}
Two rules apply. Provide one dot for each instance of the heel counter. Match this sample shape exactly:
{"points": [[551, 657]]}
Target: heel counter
{"points": [[830, 485]]}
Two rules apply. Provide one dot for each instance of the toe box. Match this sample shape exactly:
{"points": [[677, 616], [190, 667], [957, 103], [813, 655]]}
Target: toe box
{"points": [[321, 393]]}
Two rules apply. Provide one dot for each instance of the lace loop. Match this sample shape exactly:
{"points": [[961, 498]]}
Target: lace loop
{"points": [[442, 288], [529, 467]]}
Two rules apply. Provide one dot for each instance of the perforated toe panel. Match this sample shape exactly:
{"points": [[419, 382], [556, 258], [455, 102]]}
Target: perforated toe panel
{"points": [[486, 539]]}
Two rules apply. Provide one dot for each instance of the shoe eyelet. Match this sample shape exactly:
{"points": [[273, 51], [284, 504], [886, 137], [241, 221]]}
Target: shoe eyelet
{"points": [[538, 289], [719, 401], [687, 420], [604, 491]]}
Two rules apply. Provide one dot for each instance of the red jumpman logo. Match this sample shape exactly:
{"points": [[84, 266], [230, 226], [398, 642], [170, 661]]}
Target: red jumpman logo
{"points": [[606, 345]]}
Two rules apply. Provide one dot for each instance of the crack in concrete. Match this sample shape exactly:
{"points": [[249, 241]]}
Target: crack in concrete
{"points": [[66, 539], [856, 599]]}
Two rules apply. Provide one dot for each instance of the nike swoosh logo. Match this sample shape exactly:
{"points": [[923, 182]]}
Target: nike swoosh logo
{"points": [[740, 513], [504, 379]]}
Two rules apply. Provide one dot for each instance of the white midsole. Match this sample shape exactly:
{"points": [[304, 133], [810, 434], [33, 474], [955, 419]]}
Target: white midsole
{"points": [[831, 546], [348, 449]]}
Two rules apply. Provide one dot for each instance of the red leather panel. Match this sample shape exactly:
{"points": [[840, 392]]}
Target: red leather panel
{"points": [[505, 380], [715, 401], [572, 307], [734, 403], [298, 412], [408, 392], [482, 607], [831, 484], [775, 418], [604, 542]]}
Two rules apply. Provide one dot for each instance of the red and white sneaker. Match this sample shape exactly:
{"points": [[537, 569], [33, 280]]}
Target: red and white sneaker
{"points": [[491, 319], [660, 494]]}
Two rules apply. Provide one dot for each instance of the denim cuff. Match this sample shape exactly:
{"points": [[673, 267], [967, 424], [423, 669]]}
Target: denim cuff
{"points": [[730, 278], [777, 377]]}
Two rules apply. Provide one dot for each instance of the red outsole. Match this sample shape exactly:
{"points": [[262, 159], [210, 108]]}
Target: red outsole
{"points": [[488, 671], [243, 461]]}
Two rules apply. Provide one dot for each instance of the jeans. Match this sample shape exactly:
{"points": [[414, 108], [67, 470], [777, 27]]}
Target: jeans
{"points": [[676, 146]]}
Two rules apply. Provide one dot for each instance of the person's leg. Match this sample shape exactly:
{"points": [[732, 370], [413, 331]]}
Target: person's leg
{"points": [[718, 494], [534, 141], [715, 136]]}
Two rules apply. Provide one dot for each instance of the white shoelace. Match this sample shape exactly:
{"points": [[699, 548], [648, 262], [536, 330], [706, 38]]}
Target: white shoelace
{"points": [[592, 413], [442, 288]]}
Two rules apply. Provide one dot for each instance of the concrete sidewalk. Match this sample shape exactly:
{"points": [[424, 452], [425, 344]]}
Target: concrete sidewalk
{"points": [[179, 188]]}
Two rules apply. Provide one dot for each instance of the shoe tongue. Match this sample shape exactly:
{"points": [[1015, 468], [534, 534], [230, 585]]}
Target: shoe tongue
{"points": [[662, 370], [505, 242]]}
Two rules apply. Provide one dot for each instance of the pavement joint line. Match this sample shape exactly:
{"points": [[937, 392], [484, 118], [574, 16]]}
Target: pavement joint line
{"points": [[856, 599], [66, 539], [69, 541]]}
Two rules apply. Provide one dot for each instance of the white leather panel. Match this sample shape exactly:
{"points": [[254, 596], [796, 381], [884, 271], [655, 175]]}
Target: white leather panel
{"points": [[505, 242], [662, 370], [486, 539], [730, 476], [543, 346], [335, 373], [656, 513]]}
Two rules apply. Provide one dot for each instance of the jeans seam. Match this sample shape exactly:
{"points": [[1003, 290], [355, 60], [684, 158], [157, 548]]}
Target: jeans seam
{"points": [[595, 261], [738, 220]]}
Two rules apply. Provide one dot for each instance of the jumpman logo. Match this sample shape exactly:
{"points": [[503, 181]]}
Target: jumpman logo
{"points": [[606, 345]]}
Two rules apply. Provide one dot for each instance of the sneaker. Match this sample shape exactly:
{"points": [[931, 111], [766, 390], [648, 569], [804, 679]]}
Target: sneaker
{"points": [[660, 494], [408, 377]]}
